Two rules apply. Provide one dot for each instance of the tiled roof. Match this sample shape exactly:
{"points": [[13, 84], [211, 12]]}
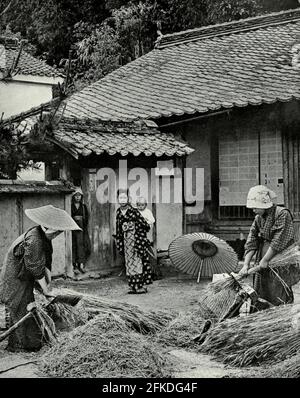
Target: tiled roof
{"points": [[27, 65], [119, 138], [9, 186], [83, 137], [248, 62]]}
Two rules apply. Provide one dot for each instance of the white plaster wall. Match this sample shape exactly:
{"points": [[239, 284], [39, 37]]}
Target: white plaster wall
{"points": [[33, 174], [17, 97]]}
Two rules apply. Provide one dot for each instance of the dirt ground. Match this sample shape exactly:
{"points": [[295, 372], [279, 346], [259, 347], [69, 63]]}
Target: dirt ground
{"points": [[176, 292]]}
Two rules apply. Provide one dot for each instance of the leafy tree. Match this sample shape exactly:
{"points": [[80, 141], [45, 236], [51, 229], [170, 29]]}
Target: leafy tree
{"points": [[13, 153], [97, 54], [230, 10], [133, 26], [116, 31], [49, 24]]}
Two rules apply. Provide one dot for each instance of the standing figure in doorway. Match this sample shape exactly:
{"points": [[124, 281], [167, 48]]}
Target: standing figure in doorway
{"points": [[81, 245], [132, 242]]}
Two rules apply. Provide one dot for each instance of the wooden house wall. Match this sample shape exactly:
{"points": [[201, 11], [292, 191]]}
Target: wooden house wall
{"points": [[14, 222], [169, 217], [272, 125], [290, 122]]}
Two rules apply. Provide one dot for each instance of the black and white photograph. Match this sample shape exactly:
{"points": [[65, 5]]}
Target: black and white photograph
{"points": [[149, 192]]}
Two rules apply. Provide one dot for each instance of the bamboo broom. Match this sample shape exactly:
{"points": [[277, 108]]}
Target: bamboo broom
{"points": [[290, 257]]}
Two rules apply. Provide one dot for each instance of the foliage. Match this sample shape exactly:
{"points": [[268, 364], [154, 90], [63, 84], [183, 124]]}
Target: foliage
{"points": [[109, 33], [13, 154], [49, 24], [97, 54], [229, 10], [104, 35]]}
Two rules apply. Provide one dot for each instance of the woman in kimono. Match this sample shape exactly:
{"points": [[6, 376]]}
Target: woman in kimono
{"points": [[28, 265], [132, 243], [81, 246], [272, 231]]}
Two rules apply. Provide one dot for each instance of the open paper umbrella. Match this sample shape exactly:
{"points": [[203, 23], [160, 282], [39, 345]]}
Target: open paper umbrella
{"points": [[202, 254]]}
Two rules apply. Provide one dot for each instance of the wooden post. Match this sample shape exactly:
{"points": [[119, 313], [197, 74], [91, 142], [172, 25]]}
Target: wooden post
{"points": [[19, 204], [285, 168], [68, 242], [64, 172], [153, 198], [180, 163]]}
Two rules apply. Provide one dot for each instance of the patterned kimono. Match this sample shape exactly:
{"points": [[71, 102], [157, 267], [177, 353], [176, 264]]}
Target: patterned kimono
{"points": [[274, 229], [25, 262], [132, 243]]}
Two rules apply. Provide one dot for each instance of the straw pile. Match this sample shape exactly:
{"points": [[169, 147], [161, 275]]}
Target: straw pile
{"points": [[268, 336], [290, 368], [104, 347], [181, 331], [46, 325], [67, 317], [141, 321], [64, 316]]}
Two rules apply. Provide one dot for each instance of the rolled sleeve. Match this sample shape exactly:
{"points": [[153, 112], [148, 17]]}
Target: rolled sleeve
{"points": [[252, 240], [34, 257]]}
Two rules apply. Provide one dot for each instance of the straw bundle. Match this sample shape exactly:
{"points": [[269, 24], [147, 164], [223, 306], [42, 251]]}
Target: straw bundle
{"points": [[104, 347], [289, 368], [45, 324], [181, 331], [67, 317], [214, 306], [64, 316], [263, 337], [141, 321]]}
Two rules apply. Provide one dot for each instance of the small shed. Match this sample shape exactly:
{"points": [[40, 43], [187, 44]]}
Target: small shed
{"points": [[15, 198], [25, 81]]}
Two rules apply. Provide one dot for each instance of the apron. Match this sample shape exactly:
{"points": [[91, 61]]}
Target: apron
{"points": [[271, 285]]}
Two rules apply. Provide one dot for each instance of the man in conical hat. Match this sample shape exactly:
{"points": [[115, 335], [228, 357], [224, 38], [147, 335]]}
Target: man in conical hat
{"points": [[27, 263], [271, 232]]}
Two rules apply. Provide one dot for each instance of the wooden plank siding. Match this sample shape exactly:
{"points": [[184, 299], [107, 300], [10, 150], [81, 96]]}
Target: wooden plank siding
{"points": [[14, 222], [290, 150]]}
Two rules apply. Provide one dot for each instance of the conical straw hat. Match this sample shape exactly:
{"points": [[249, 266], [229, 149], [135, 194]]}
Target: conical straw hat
{"points": [[52, 217]]}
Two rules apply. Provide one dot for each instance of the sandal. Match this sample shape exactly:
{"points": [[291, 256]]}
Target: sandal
{"points": [[141, 291]]}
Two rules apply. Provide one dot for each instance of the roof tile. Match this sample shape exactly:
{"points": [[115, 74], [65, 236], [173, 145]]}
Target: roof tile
{"points": [[236, 64], [28, 65]]}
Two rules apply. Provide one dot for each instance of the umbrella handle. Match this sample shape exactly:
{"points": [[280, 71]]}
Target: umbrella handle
{"points": [[200, 271]]}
